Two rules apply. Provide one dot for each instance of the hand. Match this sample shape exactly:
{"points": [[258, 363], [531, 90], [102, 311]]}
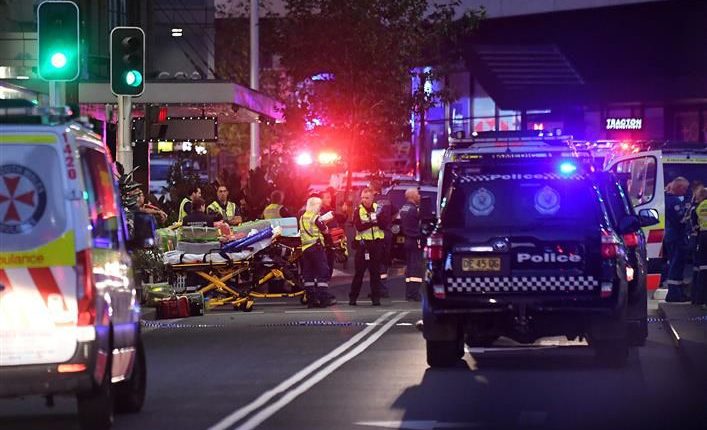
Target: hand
{"points": [[327, 217]]}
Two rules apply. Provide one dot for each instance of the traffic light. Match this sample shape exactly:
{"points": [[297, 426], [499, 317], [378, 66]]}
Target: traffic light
{"points": [[58, 40], [127, 61]]}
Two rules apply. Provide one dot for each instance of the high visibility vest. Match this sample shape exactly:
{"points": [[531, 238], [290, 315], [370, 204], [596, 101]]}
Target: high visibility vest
{"points": [[372, 233], [702, 215], [216, 207], [272, 211], [182, 208], [309, 231]]}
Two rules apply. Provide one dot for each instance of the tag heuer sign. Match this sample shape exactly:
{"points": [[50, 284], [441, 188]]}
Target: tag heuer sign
{"points": [[624, 123]]}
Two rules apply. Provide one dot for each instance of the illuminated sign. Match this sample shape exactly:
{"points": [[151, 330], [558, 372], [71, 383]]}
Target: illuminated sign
{"points": [[624, 123]]}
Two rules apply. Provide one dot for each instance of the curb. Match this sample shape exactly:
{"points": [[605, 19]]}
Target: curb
{"points": [[693, 361]]}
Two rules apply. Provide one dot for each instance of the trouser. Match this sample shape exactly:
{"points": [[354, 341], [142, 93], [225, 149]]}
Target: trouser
{"points": [[315, 273], [330, 259], [385, 262], [677, 253], [368, 257], [699, 289], [413, 269]]}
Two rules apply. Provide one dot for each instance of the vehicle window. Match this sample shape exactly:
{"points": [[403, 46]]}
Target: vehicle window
{"points": [[159, 172], [691, 171], [32, 208], [616, 202], [101, 198], [641, 178], [522, 204]]}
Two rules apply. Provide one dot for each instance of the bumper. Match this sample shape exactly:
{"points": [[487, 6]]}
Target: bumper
{"points": [[45, 379]]}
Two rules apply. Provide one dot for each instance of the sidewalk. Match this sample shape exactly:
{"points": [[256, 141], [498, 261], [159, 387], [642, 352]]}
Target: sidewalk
{"points": [[687, 325]]}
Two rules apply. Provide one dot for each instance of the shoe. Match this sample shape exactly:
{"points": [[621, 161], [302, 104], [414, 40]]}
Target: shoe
{"points": [[352, 303], [377, 303]]}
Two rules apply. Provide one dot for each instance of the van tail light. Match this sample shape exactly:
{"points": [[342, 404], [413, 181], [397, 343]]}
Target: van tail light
{"points": [[631, 240], [86, 289], [609, 245], [433, 250]]}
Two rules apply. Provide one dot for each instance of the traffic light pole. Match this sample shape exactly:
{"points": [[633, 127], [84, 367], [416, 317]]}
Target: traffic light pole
{"points": [[124, 148], [57, 94]]}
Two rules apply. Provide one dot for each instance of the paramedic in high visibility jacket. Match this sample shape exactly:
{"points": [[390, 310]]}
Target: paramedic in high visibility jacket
{"points": [[675, 240], [315, 270], [229, 211], [276, 209], [700, 287], [369, 247], [185, 207], [410, 226]]}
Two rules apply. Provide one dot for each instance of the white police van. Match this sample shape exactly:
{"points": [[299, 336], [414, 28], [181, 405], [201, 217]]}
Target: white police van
{"points": [[69, 316]]}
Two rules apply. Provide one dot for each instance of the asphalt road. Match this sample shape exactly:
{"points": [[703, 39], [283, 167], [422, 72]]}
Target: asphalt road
{"points": [[285, 367]]}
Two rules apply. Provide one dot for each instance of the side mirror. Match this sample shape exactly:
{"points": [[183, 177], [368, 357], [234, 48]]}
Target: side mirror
{"points": [[143, 231], [629, 224], [648, 217]]}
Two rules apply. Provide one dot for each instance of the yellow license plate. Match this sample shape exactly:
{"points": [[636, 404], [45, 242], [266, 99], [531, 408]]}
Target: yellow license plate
{"points": [[481, 264], [400, 239]]}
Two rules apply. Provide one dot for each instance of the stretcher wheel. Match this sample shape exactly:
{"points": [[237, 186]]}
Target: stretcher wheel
{"points": [[248, 305]]}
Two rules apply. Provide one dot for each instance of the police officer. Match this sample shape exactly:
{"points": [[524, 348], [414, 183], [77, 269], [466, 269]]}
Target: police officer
{"points": [[185, 207], [700, 287], [410, 226], [275, 209], [229, 211], [676, 238], [315, 270], [369, 247]]}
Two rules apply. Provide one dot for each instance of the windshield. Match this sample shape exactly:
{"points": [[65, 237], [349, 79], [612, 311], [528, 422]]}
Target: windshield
{"points": [[159, 172], [476, 202]]}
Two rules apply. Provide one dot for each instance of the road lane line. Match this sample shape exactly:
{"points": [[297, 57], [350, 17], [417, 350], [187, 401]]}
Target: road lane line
{"points": [[317, 377], [264, 398], [327, 311]]}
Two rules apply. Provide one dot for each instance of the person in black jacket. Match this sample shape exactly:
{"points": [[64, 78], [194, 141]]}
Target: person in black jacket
{"points": [[410, 226], [198, 216]]}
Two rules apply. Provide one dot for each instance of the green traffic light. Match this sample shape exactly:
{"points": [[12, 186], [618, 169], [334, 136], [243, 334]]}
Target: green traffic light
{"points": [[133, 78], [58, 60]]}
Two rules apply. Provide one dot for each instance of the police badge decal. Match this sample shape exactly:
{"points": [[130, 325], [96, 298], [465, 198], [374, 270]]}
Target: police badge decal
{"points": [[547, 201], [482, 202]]}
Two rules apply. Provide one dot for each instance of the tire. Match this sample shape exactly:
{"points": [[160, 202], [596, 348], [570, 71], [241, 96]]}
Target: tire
{"points": [[480, 340], [95, 407], [444, 353], [612, 353], [130, 394]]}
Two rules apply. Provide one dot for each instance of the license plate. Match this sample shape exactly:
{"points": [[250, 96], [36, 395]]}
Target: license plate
{"points": [[492, 264], [400, 239]]}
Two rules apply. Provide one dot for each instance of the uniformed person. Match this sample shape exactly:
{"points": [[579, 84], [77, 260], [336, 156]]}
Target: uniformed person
{"points": [[369, 247], [700, 288], [185, 207], [275, 209], [410, 226], [385, 212], [675, 241], [315, 270], [229, 211]]}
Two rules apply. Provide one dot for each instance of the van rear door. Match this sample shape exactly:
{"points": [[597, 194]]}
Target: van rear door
{"points": [[38, 293]]}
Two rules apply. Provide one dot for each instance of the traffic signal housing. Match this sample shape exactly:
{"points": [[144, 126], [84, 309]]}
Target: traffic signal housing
{"points": [[58, 41], [127, 61]]}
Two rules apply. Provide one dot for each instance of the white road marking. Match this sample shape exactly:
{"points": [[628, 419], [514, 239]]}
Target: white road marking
{"points": [[327, 311], [291, 395], [417, 424], [264, 398]]}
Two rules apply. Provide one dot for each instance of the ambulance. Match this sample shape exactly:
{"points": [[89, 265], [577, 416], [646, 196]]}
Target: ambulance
{"points": [[648, 167], [69, 316]]}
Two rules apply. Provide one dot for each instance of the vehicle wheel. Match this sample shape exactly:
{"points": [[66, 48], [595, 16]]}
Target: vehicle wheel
{"points": [[480, 340], [95, 407], [612, 353], [248, 306], [444, 353], [130, 394]]}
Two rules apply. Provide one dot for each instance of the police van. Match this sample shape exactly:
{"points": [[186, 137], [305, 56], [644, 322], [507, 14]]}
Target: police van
{"points": [[532, 242], [647, 168], [69, 316]]}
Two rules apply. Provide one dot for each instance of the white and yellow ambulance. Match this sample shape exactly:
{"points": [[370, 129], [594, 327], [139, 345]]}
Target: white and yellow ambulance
{"points": [[69, 318], [648, 169]]}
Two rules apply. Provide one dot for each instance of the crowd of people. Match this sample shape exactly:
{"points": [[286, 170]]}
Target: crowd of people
{"points": [[685, 240]]}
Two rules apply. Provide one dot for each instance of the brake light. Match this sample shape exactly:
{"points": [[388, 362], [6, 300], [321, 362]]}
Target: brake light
{"points": [[609, 245], [434, 250], [631, 240], [86, 289], [71, 368]]}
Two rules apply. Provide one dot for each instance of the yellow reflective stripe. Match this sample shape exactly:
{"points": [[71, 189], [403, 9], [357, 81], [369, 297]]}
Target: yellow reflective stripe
{"points": [[60, 252], [28, 138], [685, 160]]}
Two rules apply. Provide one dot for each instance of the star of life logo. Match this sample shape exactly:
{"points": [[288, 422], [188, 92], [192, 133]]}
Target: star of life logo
{"points": [[23, 199]]}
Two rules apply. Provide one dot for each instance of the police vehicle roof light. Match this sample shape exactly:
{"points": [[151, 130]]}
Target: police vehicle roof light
{"points": [[568, 168]]}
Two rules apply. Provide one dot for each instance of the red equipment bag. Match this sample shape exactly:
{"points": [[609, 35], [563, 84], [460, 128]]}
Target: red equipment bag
{"points": [[173, 307], [336, 235]]}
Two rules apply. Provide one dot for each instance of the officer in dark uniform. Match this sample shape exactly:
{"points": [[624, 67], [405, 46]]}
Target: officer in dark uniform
{"points": [[675, 241], [410, 226]]}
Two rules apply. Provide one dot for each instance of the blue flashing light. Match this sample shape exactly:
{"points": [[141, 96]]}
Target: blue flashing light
{"points": [[568, 168]]}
